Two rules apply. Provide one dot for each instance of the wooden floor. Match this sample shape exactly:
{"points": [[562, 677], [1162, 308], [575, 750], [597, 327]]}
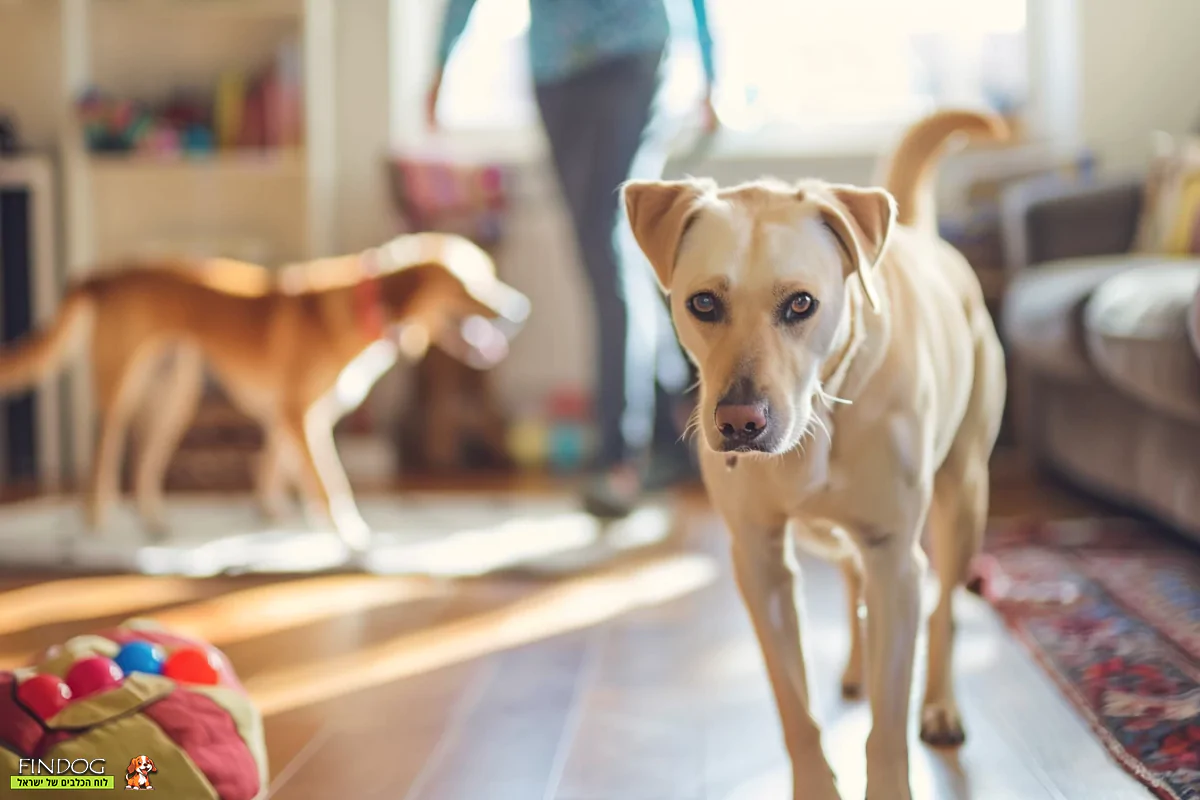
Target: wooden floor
{"points": [[639, 680]]}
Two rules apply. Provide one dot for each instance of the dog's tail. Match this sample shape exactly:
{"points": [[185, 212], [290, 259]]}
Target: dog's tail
{"points": [[909, 174], [38, 355]]}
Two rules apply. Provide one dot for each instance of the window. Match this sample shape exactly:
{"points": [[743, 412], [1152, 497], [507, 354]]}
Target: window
{"points": [[487, 84], [785, 67]]}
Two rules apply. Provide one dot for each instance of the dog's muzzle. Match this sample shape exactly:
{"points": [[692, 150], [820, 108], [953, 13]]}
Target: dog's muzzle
{"points": [[744, 420]]}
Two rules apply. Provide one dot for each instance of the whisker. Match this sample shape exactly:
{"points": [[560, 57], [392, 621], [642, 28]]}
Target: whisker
{"points": [[693, 425], [830, 399], [821, 423]]}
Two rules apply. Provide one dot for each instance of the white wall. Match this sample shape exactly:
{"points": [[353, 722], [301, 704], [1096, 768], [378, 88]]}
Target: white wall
{"points": [[363, 207], [1140, 71]]}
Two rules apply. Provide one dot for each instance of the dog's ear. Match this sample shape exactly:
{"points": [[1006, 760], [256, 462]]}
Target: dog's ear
{"points": [[150, 761], [132, 768], [862, 219], [659, 213]]}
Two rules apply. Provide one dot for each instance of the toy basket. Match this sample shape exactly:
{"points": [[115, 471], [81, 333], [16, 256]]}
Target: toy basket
{"points": [[197, 740]]}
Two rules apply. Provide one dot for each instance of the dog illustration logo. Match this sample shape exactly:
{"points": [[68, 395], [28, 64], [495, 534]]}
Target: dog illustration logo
{"points": [[137, 774]]}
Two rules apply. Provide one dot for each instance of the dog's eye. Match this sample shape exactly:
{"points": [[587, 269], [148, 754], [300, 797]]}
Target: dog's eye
{"points": [[799, 307], [704, 306]]}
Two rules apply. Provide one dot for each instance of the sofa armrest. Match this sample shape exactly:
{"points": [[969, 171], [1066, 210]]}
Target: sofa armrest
{"points": [[1048, 218]]}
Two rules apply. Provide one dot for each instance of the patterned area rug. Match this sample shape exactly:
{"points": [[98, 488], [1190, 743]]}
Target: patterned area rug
{"points": [[1111, 608]]}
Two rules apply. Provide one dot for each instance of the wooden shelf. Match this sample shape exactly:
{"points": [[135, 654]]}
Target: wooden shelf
{"points": [[224, 9], [277, 162]]}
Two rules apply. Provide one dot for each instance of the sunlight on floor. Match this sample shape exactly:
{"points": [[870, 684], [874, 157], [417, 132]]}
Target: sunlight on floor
{"points": [[773, 783], [418, 533], [76, 599], [564, 607], [227, 619], [262, 611], [519, 541]]}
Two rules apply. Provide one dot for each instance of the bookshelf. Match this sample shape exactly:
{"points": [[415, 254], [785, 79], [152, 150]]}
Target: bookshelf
{"points": [[275, 198]]}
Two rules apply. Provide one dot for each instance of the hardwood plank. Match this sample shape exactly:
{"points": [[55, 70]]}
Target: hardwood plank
{"points": [[383, 737], [641, 728], [508, 742]]}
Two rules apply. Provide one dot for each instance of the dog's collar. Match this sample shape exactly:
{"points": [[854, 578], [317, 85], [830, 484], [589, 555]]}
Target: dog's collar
{"points": [[368, 299]]}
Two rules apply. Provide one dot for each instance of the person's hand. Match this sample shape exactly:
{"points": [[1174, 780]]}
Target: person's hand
{"points": [[709, 120], [431, 101]]}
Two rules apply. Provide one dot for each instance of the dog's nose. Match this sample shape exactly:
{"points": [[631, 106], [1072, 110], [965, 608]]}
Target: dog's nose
{"points": [[741, 423]]}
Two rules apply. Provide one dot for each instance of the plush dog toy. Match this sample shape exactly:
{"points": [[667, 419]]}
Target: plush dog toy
{"points": [[154, 710]]}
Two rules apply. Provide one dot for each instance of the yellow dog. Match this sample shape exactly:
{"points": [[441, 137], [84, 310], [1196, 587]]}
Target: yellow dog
{"points": [[852, 382]]}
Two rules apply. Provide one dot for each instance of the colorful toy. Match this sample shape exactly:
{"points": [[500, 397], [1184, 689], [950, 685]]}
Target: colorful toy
{"points": [[569, 411], [569, 404], [44, 695], [528, 442], [141, 656], [89, 676], [192, 665], [181, 738], [568, 445]]}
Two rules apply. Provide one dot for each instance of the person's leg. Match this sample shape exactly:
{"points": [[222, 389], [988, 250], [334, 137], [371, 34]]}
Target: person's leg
{"points": [[602, 132], [573, 127], [672, 370], [621, 99]]}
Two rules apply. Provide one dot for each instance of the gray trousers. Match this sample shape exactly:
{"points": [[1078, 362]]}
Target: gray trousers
{"points": [[603, 130]]}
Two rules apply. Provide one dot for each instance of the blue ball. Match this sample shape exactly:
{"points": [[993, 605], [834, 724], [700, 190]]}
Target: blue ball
{"points": [[141, 657], [568, 446]]}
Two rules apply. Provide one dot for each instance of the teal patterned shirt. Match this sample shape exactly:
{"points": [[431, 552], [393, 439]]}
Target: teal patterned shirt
{"points": [[567, 36]]}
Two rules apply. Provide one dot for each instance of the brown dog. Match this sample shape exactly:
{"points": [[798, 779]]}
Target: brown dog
{"points": [[295, 350]]}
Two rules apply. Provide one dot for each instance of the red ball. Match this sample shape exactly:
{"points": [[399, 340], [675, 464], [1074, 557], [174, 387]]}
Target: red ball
{"points": [[44, 694], [93, 675], [193, 665]]}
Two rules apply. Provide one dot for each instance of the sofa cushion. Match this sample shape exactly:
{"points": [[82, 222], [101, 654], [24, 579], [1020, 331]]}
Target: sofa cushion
{"points": [[1170, 221], [1042, 316], [1137, 335]]}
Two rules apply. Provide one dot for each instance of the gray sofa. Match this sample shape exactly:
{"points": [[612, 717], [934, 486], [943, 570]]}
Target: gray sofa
{"points": [[1104, 348]]}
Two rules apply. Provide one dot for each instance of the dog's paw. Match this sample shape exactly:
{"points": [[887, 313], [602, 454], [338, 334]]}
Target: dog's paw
{"points": [[354, 532], [941, 726]]}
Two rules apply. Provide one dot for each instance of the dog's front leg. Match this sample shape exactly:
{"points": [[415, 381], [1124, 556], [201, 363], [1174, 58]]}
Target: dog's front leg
{"points": [[893, 567], [326, 484], [766, 571], [270, 480]]}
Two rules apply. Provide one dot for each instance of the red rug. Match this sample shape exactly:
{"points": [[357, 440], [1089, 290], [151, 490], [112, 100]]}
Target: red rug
{"points": [[1111, 609]]}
